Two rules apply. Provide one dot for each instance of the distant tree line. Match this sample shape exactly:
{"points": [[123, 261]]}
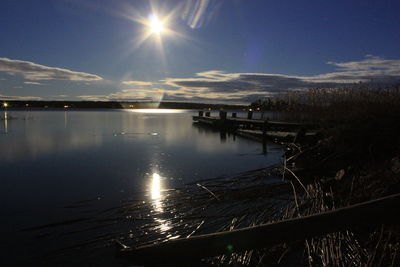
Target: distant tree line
{"points": [[29, 104]]}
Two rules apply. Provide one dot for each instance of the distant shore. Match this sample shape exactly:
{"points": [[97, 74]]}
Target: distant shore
{"points": [[28, 104]]}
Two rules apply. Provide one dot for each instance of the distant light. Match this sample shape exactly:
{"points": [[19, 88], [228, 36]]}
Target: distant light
{"points": [[66, 106], [5, 104], [250, 109], [26, 105]]}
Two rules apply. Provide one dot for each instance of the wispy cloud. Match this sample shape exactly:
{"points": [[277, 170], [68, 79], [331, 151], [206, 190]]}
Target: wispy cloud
{"points": [[8, 97], [33, 71], [137, 95], [137, 83], [372, 68], [155, 95], [59, 96], [234, 87], [93, 97], [217, 85], [33, 83], [369, 63]]}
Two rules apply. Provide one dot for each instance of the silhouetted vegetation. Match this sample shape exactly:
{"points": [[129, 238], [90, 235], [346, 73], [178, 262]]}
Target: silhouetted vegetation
{"points": [[335, 104], [355, 160]]}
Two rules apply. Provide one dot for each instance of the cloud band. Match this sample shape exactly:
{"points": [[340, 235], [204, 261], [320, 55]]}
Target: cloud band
{"points": [[33, 71]]}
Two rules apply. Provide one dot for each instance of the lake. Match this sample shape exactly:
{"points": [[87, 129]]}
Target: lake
{"points": [[50, 160]]}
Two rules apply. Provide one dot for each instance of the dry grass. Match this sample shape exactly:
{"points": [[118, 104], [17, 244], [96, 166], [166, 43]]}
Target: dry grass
{"points": [[343, 104]]}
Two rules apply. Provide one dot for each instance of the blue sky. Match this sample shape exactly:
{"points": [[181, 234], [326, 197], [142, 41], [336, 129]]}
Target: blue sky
{"points": [[210, 50]]}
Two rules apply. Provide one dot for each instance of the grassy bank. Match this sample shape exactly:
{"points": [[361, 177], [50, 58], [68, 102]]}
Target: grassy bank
{"points": [[356, 159]]}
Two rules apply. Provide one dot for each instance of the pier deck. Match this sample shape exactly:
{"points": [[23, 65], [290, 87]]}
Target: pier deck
{"points": [[259, 129], [255, 123]]}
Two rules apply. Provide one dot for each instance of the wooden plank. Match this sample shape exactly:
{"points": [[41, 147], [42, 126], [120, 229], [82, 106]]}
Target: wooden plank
{"points": [[278, 134], [258, 122], [187, 249]]}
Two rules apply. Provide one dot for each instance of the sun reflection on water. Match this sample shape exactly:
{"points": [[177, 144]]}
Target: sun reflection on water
{"points": [[157, 201], [156, 110], [5, 122], [163, 225], [156, 186], [155, 192]]}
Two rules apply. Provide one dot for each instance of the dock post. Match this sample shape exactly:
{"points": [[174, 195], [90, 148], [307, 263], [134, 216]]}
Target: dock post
{"points": [[222, 136], [208, 114], [201, 113], [234, 115], [223, 121], [264, 136], [222, 115], [301, 133], [250, 115]]}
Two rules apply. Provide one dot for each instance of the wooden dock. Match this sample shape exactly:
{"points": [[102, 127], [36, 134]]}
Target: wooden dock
{"points": [[258, 129], [252, 123], [257, 135]]}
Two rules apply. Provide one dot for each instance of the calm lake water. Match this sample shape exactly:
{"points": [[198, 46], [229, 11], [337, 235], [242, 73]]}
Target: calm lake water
{"points": [[52, 159]]}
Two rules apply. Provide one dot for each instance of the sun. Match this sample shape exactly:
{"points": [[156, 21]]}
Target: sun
{"points": [[156, 25]]}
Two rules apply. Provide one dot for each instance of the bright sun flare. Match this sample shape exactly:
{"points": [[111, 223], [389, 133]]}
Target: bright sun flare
{"points": [[156, 26]]}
